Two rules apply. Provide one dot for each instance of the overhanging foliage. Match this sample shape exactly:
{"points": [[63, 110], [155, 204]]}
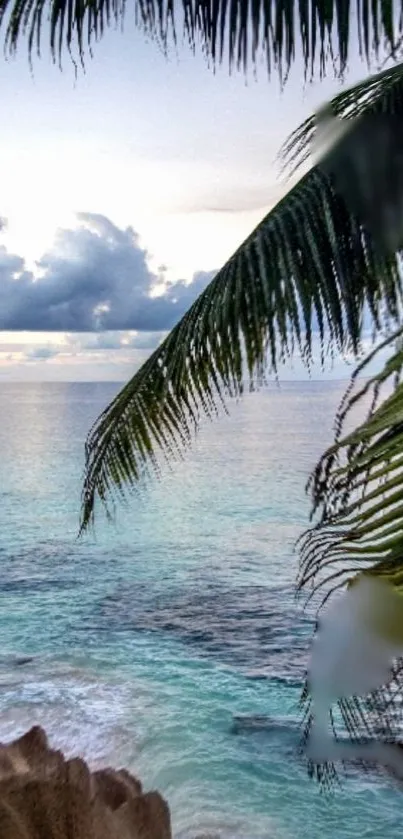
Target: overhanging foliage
{"points": [[323, 33]]}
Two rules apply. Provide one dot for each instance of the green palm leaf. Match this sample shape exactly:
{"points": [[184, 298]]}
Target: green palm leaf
{"points": [[312, 265], [308, 265], [357, 490], [363, 127], [319, 30], [380, 94]]}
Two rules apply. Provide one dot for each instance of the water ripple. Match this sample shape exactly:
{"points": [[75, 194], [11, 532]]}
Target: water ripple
{"points": [[255, 629]]}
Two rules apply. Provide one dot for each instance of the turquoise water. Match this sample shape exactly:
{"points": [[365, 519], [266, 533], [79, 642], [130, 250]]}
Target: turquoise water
{"points": [[171, 643]]}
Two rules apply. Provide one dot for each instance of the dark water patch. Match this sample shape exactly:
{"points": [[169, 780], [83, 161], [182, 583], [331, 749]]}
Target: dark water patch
{"points": [[15, 660], [35, 585], [281, 734], [286, 734], [208, 836], [286, 680], [260, 722], [256, 629]]}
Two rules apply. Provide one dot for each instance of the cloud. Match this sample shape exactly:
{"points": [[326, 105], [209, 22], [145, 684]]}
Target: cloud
{"points": [[249, 195], [42, 353], [106, 309], [244, 198], [112, 341], [96, 279], [144, 340]]}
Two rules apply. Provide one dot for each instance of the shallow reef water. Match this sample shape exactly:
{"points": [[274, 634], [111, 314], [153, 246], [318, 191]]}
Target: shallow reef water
{"points": [[171, 642]]}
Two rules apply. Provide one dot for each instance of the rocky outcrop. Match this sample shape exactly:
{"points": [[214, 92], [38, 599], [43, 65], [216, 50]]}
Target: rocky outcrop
{"points": [[44, 796]]}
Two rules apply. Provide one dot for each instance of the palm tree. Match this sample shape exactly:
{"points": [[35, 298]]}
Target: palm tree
{"points": [[327, 255]]}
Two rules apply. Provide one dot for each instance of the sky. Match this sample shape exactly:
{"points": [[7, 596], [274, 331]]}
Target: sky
{"points": [[131, 183]]}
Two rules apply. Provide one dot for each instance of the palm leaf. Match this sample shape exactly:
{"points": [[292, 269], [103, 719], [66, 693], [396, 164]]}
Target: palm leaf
{"points": [[309, 268], [363, 127], [380, 94], [312, 266], [357, 487], [357, 490], [319, 30]]}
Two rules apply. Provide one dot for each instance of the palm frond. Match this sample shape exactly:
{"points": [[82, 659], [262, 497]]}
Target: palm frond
{"points": [[357, 491], [363, 127], [309, 268], [357, 486], [314, 263], [322, 32], [379, 94]]}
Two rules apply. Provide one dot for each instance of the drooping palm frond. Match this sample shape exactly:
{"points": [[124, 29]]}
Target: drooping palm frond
{"points": [[363, 127], [308, 269], [319, 30], [311, 266], [357, 490], [380, 94], [357, 487]]}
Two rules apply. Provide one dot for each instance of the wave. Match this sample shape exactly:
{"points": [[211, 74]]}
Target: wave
{"points": [[82, 713]]}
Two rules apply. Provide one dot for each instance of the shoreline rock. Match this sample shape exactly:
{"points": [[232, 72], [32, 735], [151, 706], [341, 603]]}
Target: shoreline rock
{"points": [[45, 796]]}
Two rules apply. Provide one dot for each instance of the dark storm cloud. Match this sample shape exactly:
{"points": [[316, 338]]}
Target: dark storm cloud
{"points": [[96, 279]]}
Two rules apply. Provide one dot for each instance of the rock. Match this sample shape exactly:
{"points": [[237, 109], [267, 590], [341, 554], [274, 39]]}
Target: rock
{"points": [[44, 796]]}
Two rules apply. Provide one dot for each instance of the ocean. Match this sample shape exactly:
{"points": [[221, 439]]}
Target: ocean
{"points": [[170, 642]]}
